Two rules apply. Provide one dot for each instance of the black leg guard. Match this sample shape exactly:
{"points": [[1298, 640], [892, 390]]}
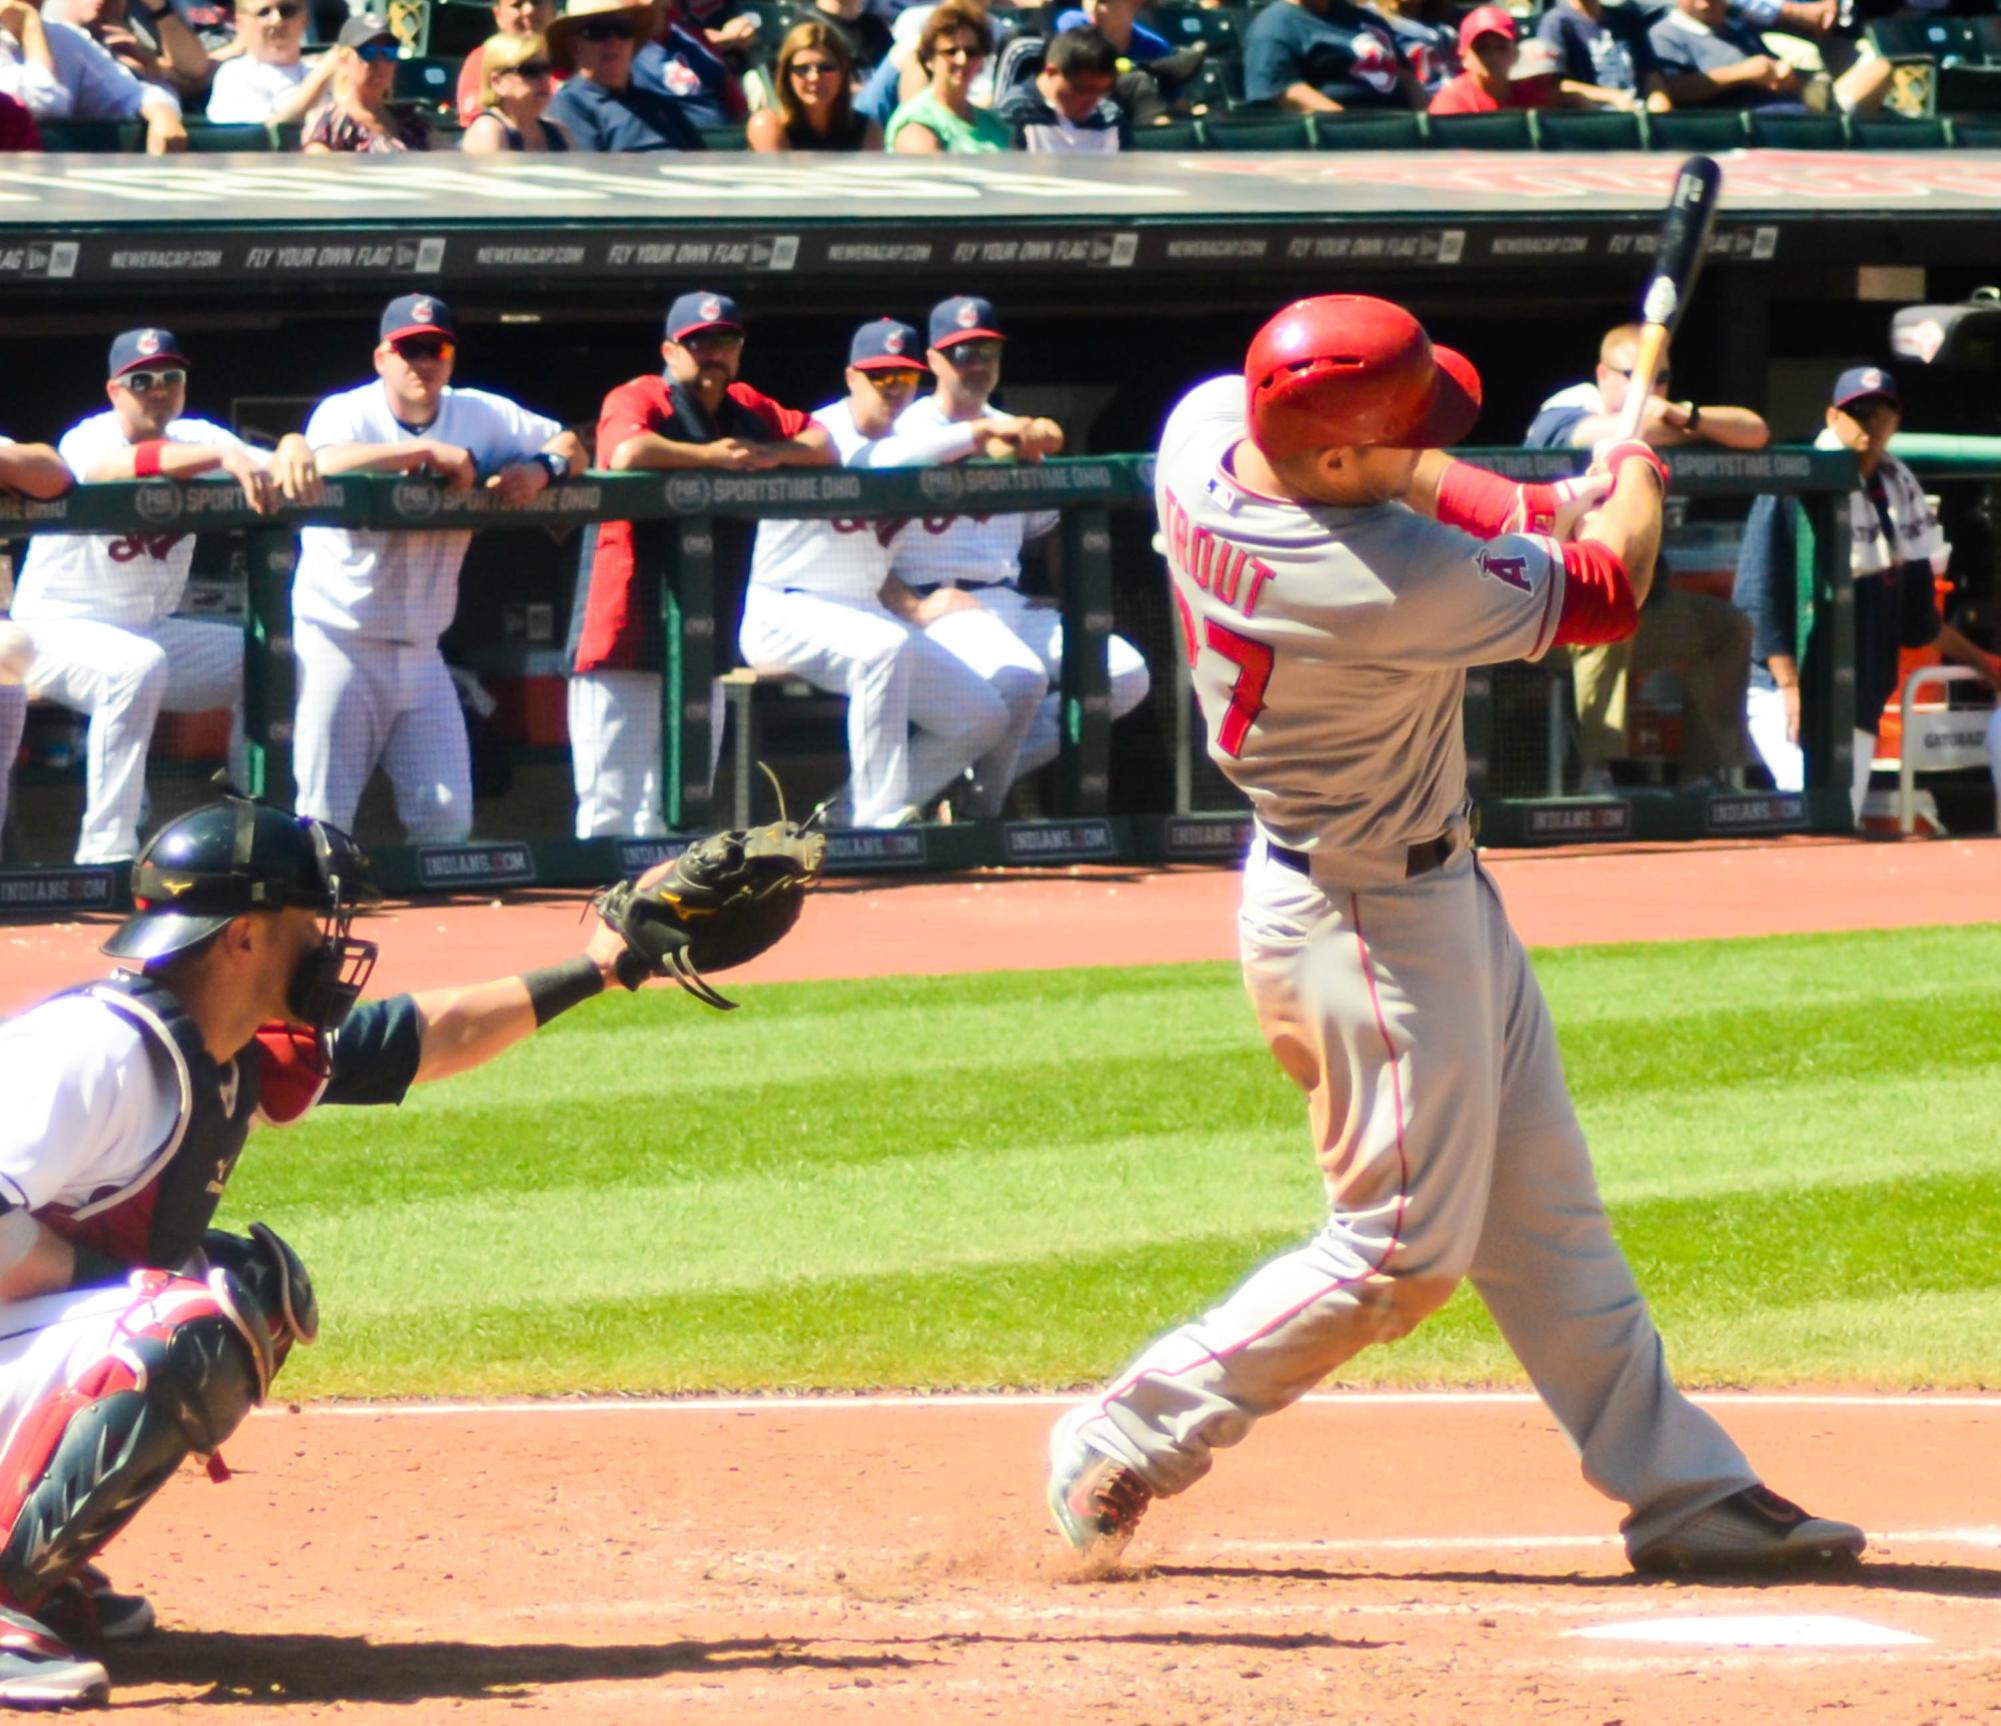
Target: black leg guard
{"points": [[194, 1386]]}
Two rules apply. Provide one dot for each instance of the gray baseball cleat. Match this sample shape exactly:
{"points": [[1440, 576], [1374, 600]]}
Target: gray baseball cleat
{"points": [[38, 1671], [86, 1608], [1752, 1532], [1095, 1500]]}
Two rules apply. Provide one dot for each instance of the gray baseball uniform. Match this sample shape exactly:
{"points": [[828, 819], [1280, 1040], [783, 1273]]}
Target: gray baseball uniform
{"points": [[1329, 649]]}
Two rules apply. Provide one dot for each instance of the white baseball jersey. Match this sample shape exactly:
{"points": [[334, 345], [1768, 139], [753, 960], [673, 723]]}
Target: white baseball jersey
{"points": [[1329, 645], [960, 550], [846, 558], [402, 587], [85, 1110], [130, 579]]}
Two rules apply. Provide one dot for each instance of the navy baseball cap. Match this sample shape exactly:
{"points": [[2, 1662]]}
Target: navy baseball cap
{"points": [[1866, 383], [964, 318], [418, 315], [887, 346], [701, 310], [149, 347]]}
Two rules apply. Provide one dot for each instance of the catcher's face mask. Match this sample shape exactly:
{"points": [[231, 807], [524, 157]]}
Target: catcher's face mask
{"points": [[330, 978]]}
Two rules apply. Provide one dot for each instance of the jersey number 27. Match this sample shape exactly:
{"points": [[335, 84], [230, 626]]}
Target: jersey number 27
{"points": [[1253, 660]]}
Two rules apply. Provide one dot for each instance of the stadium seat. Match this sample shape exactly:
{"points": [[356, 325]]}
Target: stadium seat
{"points": [[1507, 130], [1879, 132], [725, 138], [457, 27], [1175, 135], [93, 137], [1696, 129], [1259, 132], [1222, 27], [1915, 37], [1588, 129], [1967, 90], [246, 139], [432, 82], [1798, 132], [774, 19], [1969, 132], [1364, 131]]}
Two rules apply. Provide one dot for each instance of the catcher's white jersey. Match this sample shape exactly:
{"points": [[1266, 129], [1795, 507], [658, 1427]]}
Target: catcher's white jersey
{"points": [[130, 579], [402, 587], [1329, 645], [846, 558], [962, 550]]}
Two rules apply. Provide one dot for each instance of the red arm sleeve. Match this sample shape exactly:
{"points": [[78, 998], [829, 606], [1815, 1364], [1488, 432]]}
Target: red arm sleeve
{"points": [[627, 411], [1598, 604], [1483, 503]]}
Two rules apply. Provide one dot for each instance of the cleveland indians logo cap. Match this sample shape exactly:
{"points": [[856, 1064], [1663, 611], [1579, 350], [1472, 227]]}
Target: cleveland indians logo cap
{"points": [[147, 347], [964, 318], [704, 309], [418, 315], [1866, 383], [886, 346]]}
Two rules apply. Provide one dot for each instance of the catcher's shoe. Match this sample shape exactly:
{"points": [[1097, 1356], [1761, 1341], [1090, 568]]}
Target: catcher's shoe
{"points": [[87, 1608], [1751, 1532], [1097, 1502], [38, 1671]]}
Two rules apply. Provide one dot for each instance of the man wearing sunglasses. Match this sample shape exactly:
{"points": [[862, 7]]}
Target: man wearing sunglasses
{"points": [[1001, 632], [918, 717], [271, 81], [1706, 641], [100, 606], [368, 608], [134, 1333], [603, 107], [693, 414]]}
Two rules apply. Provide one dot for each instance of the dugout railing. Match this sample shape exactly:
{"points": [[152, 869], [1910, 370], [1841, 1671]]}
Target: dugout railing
{"points": [[1104, 502]]}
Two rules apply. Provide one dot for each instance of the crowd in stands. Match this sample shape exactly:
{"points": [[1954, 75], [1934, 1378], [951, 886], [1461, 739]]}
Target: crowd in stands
{"points": [[912, 76]]}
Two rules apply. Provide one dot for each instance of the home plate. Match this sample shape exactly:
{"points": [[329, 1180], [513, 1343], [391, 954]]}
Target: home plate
{"points": [[1793, 1631]]}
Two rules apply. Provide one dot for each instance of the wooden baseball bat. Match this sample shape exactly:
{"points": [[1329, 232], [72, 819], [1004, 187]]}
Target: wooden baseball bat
{"points": [[1684, 242]]}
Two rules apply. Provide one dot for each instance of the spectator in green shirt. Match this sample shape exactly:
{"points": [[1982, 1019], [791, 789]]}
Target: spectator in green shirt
{"points": [[941, 117]]}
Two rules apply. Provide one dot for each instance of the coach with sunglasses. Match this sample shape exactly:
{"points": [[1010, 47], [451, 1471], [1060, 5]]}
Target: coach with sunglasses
{"points": [[271, 82], [601, 107], [100, 606], [368, 608]]}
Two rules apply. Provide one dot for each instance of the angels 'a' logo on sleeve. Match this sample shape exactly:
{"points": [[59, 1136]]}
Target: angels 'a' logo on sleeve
{"points": [[1512, 570]]}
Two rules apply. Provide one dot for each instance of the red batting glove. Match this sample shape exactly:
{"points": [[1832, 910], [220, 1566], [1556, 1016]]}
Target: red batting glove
{"points": [[1556, 509]]}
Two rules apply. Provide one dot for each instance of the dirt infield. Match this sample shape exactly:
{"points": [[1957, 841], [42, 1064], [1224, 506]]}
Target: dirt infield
{"points": [[1393, 1560]]}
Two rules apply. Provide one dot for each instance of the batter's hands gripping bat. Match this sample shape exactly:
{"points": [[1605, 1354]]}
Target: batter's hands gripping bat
{"points": [[1684, 242]]}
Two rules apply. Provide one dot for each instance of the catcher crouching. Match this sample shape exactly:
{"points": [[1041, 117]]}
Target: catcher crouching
{"points": [[133, 1335]]}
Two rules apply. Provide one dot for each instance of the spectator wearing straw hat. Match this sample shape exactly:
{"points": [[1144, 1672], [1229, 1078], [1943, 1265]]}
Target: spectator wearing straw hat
{"points": [[601, 107]]}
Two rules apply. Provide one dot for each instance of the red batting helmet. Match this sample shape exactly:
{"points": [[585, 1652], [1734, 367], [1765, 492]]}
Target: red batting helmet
{"points": [[1347, 370]]}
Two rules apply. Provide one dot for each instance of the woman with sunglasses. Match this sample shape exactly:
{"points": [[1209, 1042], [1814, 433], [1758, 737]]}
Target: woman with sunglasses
{"points": [[516, 86], [941, 117], [815, 107], [271, 82], [359, 121]]}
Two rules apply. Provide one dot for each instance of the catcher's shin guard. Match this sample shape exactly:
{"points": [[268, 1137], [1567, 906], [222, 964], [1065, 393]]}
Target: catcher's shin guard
{"points": [[180, 1378]]}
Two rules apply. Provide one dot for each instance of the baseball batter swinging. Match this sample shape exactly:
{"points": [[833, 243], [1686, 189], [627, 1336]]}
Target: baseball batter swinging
{"points": [[1335, 574]]}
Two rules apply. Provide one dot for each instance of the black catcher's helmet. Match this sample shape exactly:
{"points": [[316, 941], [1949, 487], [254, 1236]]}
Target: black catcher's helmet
{"points": [[215, 863]]}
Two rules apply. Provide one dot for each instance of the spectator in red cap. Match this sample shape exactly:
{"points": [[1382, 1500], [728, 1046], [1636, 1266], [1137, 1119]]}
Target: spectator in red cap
{"points": [[1488, 44]]}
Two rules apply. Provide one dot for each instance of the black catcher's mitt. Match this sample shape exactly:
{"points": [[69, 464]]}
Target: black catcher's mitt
{"points": [[721, 902]]}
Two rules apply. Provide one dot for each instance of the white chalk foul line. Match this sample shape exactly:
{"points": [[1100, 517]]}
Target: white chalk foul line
{"points": [[1983, 1538], [844, 1402]]}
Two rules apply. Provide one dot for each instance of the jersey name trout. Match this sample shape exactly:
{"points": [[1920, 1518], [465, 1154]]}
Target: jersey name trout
{"points": [[1218, 566]]}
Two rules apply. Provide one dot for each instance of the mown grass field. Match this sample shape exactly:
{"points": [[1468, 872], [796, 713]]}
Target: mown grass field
{"points": [[1012, 1180]]}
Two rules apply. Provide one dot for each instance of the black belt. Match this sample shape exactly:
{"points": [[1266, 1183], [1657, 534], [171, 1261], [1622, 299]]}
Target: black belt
{"points": [[924, 589], [1417, 860]]}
